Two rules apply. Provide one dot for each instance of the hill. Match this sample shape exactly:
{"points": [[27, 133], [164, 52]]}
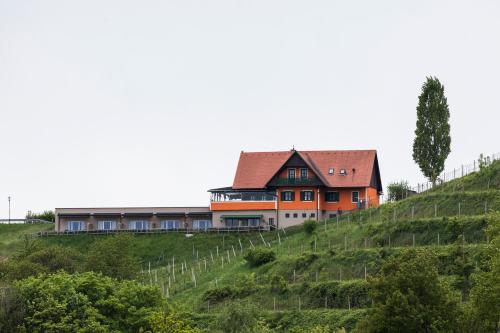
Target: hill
{"points": [[318, 278]]}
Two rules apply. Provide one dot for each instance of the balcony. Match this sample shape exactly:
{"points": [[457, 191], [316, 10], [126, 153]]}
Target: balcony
{"points": [[297, 181]]}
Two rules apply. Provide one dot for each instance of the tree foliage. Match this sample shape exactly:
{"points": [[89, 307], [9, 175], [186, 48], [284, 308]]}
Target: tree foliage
{"points": [[46, 215], [432, 134], [408, 293], [310, 226], [398, 190], [114, 257], [86, 302], [259, 256]]}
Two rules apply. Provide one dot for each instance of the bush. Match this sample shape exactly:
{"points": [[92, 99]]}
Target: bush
{"points": [[260, 256], [310, 226], [278, 284], [87, 302], [305, 259], [113, 256], [399, 190]]}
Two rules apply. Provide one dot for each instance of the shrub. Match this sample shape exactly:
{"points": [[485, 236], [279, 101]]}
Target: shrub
{"points": [[87, 302], [221, 293], [399, 190], [113, 256], [305, 259], [278, 284], [310, 226], [259, 256]]}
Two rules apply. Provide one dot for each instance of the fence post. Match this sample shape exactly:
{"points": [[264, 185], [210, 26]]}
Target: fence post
{"points": [[413, 240], [459, 209], [326, 302], [299, 303], [438, 238], [365, 272], [274, 303], [435, 210]]}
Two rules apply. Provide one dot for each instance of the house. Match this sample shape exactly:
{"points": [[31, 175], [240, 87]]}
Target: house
{"points": [[270, 189], [286, 188]]}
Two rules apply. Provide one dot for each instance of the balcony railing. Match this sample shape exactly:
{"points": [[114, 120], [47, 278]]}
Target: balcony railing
{"points": [[297, 181]]}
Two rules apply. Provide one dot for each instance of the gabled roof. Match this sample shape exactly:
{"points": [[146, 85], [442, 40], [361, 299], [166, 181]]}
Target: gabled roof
{"points": [[256, 169]]}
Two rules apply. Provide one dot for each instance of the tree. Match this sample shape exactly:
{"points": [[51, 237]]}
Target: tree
{"points": [[47, 215], [86, 302], [399, 190], [432, 141], [113, 256], [407, 293]]}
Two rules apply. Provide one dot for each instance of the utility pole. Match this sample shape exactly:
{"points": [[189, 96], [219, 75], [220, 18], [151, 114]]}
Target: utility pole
{"points": [[9, 208]]}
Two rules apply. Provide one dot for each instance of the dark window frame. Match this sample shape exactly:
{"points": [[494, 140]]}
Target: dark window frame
{"points": [[304, 175], [291, 172], [352, 197], [303, 196], [284, 196], [330, 192]]}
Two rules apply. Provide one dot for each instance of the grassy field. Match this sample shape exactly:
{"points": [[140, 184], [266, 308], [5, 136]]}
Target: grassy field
{"points": [[12, 235]]}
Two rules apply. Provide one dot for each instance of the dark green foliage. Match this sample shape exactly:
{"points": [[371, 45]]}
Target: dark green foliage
{"points": [[221, 293], [238, 318], [113, 256], [432, 135], [86, 302], [398, 190], [304, 260], [259, 256], [338, 294], [47, 215], [42, 260], [408, 293], [310, 226], [278, 284], [11, 310], [306, 320]]}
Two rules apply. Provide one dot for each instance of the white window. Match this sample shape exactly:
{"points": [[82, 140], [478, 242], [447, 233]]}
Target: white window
{"points": [[202, 224], [138, 225], [75, 225], [331, 171], [343, 172], [106, 225], [170, 224], [355, 196]]}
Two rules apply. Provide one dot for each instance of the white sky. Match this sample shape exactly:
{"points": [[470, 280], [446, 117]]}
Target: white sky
{"points": [[149, 103]]}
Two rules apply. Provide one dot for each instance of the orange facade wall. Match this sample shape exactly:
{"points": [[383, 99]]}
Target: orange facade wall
{"points": [[345, 199], [242, 205], [297, 204], [373, 197]]}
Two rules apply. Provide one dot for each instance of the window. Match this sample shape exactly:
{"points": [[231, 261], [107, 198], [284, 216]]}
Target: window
{"points": [[307, 196], [295, 215], [291, 173], [75, 225], [355, 196], [287, 215], [304, 215], [332, 196], [170, 224], [312, 215], [343, 172], [106, 225], [287, 196], [138, 225], [202, 224], [332, 216], [331, 171], [271, 220], [303, 173], [253, 222]]}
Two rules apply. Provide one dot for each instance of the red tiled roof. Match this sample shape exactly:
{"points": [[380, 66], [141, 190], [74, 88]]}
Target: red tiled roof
{"points": [[256, 169]]}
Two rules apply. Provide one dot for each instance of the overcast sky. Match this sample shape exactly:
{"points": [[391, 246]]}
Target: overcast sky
{"points": [[149, 103]]}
